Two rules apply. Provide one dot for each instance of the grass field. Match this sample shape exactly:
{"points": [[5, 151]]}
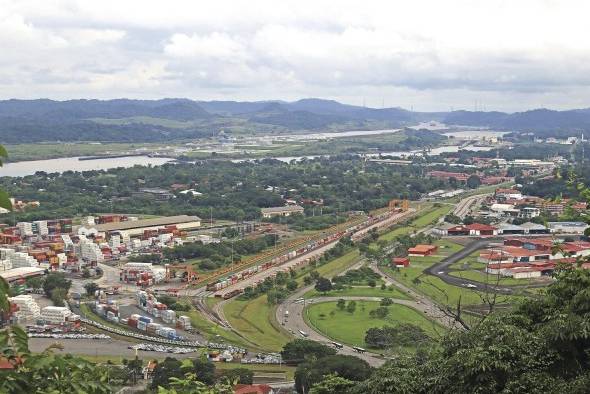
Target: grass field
{"points": [[20, 152], [429, 285], [252, 318], [213, 332], [364, 291], [432, 286], [425, 218], [255, 319], [335, 266], [351, 328], [491, 279]]}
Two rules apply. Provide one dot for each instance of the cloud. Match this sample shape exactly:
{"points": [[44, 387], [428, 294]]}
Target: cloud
{"points": [[426, 54]]}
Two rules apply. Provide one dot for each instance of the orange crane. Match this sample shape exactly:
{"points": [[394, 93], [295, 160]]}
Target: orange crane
{"points": [[402, 205], [171, 269]]}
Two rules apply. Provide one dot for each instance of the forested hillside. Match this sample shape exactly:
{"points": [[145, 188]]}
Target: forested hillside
{"points": [[25, 121]]}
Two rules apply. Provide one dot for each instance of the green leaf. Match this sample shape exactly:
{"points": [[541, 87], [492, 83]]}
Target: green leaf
{"points": [[5, 200]]}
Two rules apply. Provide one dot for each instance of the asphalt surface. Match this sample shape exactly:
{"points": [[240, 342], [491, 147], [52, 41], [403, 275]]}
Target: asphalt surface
{"points": [[441, 269], [103, 347], [463, 207]]}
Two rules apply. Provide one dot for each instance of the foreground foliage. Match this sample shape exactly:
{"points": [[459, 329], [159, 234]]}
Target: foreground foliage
{"points": [[542, 346]]}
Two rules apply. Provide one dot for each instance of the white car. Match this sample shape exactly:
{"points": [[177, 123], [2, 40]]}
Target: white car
{"points": [[470, 285]]}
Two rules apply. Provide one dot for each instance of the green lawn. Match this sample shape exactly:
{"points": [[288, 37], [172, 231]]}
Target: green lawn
{"points": [[335, 266], [260, 368], [482, 277], [351, 328], [361, 291], [212, 331], [426, 217], [432, 286], [252, 318]]}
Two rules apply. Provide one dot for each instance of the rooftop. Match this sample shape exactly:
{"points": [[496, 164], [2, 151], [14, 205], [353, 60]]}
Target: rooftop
{"points": [[287, 208], [164, 221], [422, 248], [21, 272]]}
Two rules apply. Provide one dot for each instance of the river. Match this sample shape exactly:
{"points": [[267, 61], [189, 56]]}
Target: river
{"points": [[23, 168], [60, 165]]}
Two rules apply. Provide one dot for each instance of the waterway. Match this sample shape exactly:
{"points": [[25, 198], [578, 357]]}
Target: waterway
{"points": [[24, 168], [60, 165]]}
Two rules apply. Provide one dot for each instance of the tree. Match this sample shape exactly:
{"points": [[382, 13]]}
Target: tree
{"points": [[291, 285], [386, 301], [372, 283], [53, 280], [58, 296], [35, 283], [300, 350], [91, 288], [351, 307], [341, 304], [468, 220], [311, 372], [85, 273], [403, 334], [45, 371], [165, 370], [323, 285], [331, 384], [379, 313], [452, 218], [133, 368], [473, 182], [239, 375], [204, 370], [275, 296]]}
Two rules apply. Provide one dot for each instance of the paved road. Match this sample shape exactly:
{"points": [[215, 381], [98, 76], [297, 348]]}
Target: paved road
{"points": [[102, 347], [423, 303], [463, 207]]}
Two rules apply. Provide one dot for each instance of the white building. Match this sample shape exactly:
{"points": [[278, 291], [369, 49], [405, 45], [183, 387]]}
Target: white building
{"points": [[567, 227], [28, 309], [55, 314], [115, 241], [68, 243], [529, 212], [40, 227], [89, 250], [25, 228], [281, 211], [20, 259], [5, 265]]}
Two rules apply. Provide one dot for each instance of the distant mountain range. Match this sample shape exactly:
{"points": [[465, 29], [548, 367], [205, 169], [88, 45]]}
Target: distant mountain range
{"points": [[168, 119]]}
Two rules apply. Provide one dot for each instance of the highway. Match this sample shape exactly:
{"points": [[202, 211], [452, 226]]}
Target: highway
{"points": [[464, 206]]}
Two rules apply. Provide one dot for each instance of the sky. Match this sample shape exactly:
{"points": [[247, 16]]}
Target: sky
{"points": [[436, 55]]}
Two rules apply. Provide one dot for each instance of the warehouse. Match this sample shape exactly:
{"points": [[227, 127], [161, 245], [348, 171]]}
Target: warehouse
{"points": [[281, 211], [137, 227], [21, 273], [567, 227], [422, 250]]}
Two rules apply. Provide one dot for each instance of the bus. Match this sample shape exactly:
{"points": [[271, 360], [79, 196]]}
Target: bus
{"points": [[337, 345], [303, 334], [358, 349]]}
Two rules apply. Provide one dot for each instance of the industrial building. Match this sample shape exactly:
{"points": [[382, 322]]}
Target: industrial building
{"points": [[137, 227], [281, 211]]}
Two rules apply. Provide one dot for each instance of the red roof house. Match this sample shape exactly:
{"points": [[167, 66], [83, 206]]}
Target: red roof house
{"points": [[253, 389], [400, 261], [422, 250]]}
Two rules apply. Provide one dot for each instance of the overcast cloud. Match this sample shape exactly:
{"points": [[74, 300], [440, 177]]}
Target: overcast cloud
{"points": [[429, 55]]}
